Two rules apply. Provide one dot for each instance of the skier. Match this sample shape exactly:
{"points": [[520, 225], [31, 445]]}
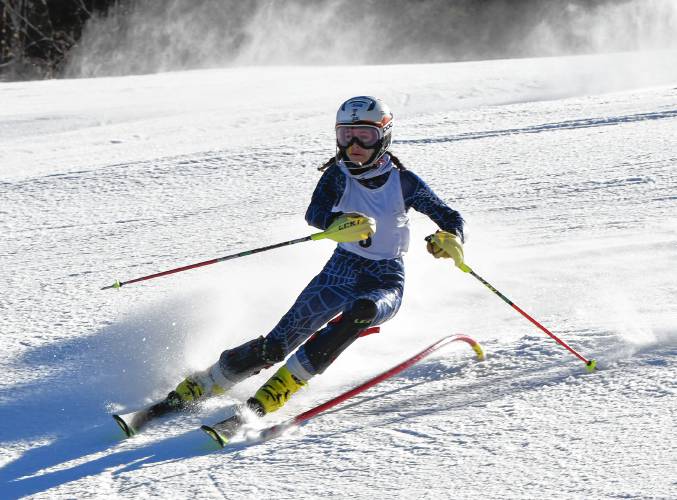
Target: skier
{"points": [[367, 190]]}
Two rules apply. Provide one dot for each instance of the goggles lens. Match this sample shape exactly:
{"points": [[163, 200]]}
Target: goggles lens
{"points": [[365, 135]]}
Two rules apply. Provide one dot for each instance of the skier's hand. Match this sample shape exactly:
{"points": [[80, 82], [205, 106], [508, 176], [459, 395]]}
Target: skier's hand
{"points": [[350, 227], [446, 245]]}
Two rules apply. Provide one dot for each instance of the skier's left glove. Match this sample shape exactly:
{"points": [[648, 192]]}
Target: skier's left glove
{"points": [[446, 245]]}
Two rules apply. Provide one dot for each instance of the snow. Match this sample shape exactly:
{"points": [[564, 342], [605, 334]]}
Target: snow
{"points": [[565, 169]]}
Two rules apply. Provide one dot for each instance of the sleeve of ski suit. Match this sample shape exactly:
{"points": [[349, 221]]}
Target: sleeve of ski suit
{"points": [[327, 194], [421, 198]]}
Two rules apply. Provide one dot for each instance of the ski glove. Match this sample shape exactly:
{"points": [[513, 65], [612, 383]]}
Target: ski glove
{"points": [[350, 227], [446, 246]]}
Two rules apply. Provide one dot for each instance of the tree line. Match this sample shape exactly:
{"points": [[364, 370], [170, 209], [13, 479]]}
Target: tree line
{"points": [[36, 35]]}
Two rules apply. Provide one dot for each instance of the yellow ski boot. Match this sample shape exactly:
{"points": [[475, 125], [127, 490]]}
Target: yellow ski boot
{"points": [[276, 392], [194, 387]]}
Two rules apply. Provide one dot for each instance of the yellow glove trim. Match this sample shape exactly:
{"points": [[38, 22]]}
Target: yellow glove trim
{"points": [[348, 228]]}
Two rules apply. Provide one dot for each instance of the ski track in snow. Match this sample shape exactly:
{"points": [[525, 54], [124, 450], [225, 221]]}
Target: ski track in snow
{"points": [[571, 201]]}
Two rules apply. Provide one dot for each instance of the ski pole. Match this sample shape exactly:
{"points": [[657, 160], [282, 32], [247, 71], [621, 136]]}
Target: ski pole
{"points": [[315, 236], [591, 364]]}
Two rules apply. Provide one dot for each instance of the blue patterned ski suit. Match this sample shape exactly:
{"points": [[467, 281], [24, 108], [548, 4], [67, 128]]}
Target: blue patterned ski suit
{"points": [[348, 277]]}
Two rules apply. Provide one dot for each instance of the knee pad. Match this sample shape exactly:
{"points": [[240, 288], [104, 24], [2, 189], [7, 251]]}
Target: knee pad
{"points": [[323, 348], [362, 312]]}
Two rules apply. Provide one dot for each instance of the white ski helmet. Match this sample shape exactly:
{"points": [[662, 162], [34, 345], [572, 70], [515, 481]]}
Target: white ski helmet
{"points": [[367, 121]]}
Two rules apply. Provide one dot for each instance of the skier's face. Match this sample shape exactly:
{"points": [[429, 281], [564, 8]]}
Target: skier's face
{"points": [[358, 154]]}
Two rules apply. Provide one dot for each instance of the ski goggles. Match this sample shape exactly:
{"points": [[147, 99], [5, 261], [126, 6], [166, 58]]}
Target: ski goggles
{"points": [[366, 136]]}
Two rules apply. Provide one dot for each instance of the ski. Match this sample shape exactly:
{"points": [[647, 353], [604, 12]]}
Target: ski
{"points": [[222, 432], [131, 423]]}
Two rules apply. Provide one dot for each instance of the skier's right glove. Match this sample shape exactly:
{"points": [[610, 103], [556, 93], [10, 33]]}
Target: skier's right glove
{"points": [[350, 227], [446, 246]]}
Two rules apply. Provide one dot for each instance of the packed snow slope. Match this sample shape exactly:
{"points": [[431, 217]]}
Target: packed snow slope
{"points": [[565, 170]]}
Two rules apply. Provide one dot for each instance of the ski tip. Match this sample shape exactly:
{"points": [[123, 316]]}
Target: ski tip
{"points": [[591, 366], [127, 429], [477, 347], [212, 433]]}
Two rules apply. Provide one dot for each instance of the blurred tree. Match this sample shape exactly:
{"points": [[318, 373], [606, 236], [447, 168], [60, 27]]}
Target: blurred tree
{"points": [[36, 35]]}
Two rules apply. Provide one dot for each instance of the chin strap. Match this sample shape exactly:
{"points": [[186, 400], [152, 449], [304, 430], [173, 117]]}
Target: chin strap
{"points": [[380, 167], [356, 168], [379, 151]]}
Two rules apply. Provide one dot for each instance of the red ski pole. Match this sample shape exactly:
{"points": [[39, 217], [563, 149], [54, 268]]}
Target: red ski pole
{"points": [[119, 284], [590, 364], [353, 229]]}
